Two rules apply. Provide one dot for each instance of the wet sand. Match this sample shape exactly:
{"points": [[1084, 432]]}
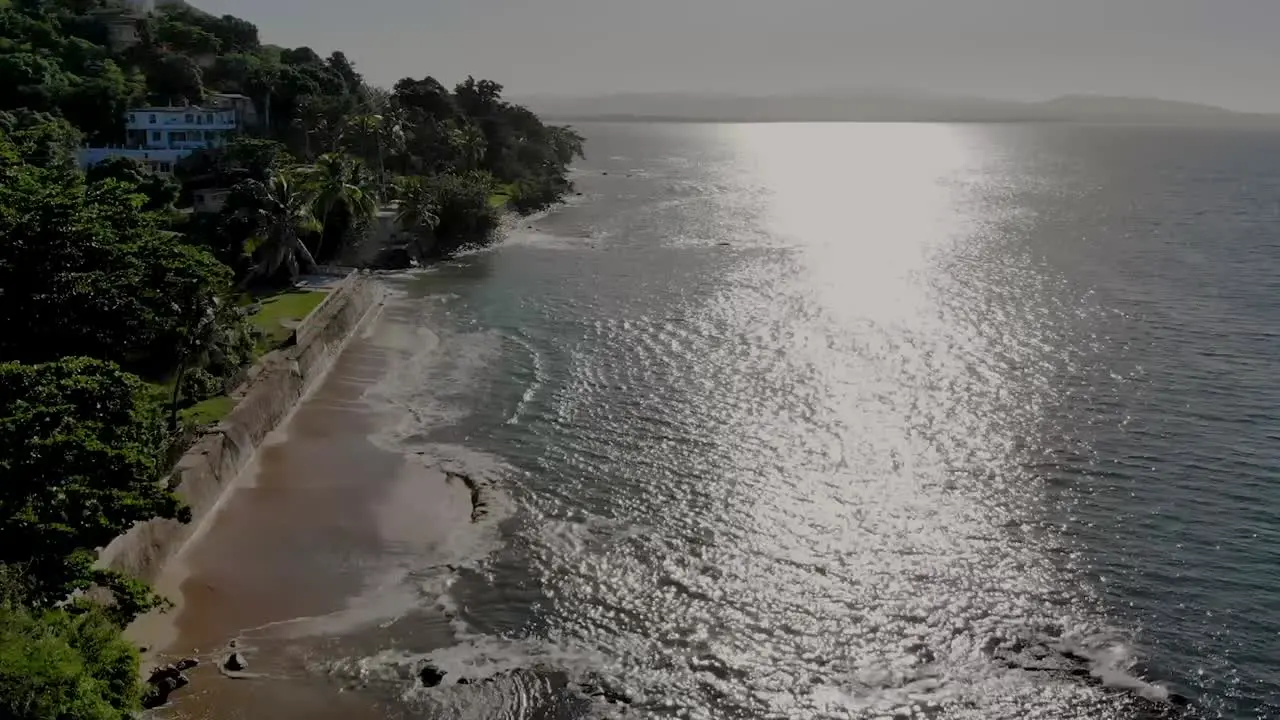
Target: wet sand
{"points": [[315, 557]]}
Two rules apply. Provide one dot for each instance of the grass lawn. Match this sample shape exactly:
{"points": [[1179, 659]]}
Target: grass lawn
{"points": [[276, 319], [208, 411], [281, 313], [499, 199]]}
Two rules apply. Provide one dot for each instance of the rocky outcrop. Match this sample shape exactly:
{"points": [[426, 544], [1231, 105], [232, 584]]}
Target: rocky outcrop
{"points": [[430, 675], [165, 680], [235, 662], [478, 505], [273, 389]]}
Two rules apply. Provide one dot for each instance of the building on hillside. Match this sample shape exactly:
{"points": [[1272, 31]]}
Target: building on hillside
{"points": [[159, 137], [246, 111]]}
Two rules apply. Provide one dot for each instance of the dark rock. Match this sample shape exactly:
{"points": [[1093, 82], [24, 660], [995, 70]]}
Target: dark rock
{"points": [[431, 675], [165, 680], [1179, 700], [173, 670], [235, 662], [463, 681], [606, 694], [604, 173], [395, 258], [723, 244]]}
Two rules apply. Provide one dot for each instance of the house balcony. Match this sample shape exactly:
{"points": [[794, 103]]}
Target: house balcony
{"points": [[180, 125]]}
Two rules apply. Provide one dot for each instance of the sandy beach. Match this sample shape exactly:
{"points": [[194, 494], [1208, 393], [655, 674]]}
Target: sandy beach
{"points": [[313, 555]]}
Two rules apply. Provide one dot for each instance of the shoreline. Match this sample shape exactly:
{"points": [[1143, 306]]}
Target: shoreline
{"points": [[215, 464], [317, 552]]}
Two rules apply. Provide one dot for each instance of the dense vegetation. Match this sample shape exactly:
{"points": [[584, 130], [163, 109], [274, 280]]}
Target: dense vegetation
{"points": [[119, 309]]}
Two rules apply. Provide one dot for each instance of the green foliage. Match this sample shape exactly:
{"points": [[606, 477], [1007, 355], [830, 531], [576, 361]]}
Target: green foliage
{"points": [[63, 666], [278, 213], [207, 412], [200, 384], [82, 444], [160, 192], [40, 139], [174, 79], [243, 158], [229, 34], [53, 59], [86, 271], [417, 210], [451, 211], [343, 196]]}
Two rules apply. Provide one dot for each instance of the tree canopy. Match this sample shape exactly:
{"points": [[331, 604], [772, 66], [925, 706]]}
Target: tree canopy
{"points": [[85, 270], [82, 451]]}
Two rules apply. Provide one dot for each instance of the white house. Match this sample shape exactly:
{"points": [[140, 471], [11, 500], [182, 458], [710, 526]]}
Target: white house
{"points": [[161, 136]]}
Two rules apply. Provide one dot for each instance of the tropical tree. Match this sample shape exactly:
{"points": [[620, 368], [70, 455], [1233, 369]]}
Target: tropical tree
{"points": [[452, 211], [160, 192], [86, 271], [417, 212], [469, 143], [281, 213], [339, 186], [82, 461], [417, 204], [69, 666], [362, 136]]}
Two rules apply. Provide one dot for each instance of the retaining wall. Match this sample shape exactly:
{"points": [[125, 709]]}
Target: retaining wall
{"points": [[266, 399]]}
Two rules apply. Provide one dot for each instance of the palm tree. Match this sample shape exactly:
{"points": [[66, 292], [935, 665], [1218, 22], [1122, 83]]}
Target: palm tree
{"points": [[339, 181], [368, 129], [313, 121], [417, 211], [282, 217], [469, 143]]}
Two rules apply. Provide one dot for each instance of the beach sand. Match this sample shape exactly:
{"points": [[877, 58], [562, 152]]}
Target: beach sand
{"points": [[315, 558]]}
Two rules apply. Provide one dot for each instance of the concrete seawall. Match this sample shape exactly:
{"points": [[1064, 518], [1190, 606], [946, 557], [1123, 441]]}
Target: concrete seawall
{"points": [[273, 390]]}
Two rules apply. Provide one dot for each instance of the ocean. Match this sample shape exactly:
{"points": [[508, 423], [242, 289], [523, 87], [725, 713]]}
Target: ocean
{"points": [[827, 421]]}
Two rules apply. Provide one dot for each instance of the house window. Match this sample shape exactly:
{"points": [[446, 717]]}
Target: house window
{"points": [[190, 119], [165, 167], [152, 119], [208, 117], [155, 135], [132, 118]]}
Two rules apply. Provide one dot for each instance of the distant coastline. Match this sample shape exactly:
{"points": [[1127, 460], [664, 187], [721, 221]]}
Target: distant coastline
{"points": [[896, 108]]}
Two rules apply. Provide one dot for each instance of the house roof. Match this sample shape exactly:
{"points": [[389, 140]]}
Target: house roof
{"points": [[177, 109]]}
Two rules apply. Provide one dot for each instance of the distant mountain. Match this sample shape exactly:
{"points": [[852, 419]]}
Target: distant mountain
{"points": [[885, 106]]}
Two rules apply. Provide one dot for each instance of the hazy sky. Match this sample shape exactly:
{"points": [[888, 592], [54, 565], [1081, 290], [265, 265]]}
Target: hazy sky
{"points": [[1219, 51]]}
